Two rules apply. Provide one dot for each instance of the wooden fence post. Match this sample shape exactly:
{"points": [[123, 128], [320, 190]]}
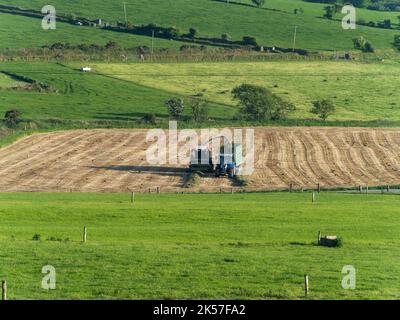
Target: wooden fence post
{"points": [[306, 288], [84, 233], [388, 188], [318, 188], [4, 290], [313, 197], [291, 187]]}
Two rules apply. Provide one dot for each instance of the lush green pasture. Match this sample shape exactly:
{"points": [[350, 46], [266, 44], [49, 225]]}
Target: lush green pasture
{"points": [[247, 246], [272, 25], [360, 91], [87, 96], [24, 32]]}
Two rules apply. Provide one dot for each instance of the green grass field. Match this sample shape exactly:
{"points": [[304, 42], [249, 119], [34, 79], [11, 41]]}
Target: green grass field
{"points": [[272, 25], [247, 246], [87, 96], [359, 91], [28, 33]]}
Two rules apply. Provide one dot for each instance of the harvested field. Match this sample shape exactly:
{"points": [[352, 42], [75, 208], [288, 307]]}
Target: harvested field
{"points": [[115, 161]]}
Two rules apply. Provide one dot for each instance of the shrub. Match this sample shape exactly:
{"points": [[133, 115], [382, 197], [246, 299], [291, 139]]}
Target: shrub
{"points": [[150, 118], [258, 103], [193, 33], [258, 3], [199, 110], [323, 108], [170, 33], [386, 24], [225, 36], [175, 107], [249, 41], [36, 237], [362, 44], [11, 118]]}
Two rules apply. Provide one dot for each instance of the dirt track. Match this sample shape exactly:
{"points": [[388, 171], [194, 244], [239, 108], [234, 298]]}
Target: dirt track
{"points": [[115, 160]]}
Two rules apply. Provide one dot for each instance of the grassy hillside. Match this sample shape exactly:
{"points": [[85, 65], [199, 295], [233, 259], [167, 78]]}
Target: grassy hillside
{"points": [[360, 91], [173, 246], [86, 96], [272, 25], [24, 32]]}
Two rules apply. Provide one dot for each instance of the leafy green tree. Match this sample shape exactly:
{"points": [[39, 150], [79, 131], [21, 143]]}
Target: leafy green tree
{"points": [[170, 33], [192, 33], [258, 103], [199, 110], [175, 106], [150, 118], [225, 36], [363, 44], [249, 41], [323, 108], [258, 3], [11, 118]]}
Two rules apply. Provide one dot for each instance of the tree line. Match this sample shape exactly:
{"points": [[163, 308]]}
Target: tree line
{"points": [[255, 103]]}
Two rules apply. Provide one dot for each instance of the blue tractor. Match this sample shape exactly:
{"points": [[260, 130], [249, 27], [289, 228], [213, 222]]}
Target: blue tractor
{"points": [[229, 162]]}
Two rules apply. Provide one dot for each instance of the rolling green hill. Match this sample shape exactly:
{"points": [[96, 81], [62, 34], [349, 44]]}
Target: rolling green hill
{"points": [[81, 96], [360, 91], [272, 25], [25, 32]]}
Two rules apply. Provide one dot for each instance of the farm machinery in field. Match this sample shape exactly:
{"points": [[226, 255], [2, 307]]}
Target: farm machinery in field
{"points": [[226, 162]]}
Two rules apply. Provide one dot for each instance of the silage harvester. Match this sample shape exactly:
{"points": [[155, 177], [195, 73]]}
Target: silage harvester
{"points": [[226, 163]]}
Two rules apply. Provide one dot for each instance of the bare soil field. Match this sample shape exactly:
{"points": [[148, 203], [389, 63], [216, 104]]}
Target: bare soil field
{"points": [[115, 161]]}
